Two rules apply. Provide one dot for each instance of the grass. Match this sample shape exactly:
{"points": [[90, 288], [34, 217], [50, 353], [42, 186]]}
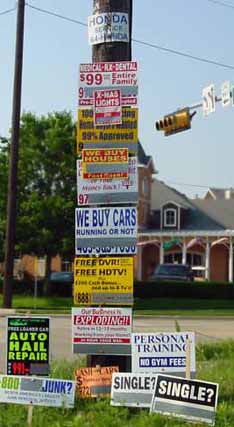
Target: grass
{"points": [[154, 306], [215, 362]]}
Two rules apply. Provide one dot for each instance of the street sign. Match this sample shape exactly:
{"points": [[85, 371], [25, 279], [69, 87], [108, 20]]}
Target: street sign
{"points": [[226, 94], [103, 281], [101, 330], [189, 399], [208, 100], [108, 191]]}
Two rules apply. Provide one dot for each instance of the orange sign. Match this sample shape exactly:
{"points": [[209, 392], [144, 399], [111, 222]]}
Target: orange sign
{"points": [[92, 382], [104, 155]]}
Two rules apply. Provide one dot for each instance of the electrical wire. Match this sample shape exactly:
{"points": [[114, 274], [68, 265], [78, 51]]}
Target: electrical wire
{"points": [[220, 3], [186, 184], [155, 46], [7, 11]]}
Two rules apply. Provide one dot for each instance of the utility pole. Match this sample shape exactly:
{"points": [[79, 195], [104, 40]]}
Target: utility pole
{"points": [[13, 166], [112, 52]]}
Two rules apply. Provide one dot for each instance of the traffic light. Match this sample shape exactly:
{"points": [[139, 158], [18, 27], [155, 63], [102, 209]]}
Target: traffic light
{"points": [[175, 122]]}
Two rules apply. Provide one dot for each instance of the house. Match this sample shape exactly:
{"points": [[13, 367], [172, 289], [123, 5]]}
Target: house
{"points": [[199, 232]]}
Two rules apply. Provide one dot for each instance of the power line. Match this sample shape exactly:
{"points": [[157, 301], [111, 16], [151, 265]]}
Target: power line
{"points": [[155, 46], [188, 185], [7, 11]]}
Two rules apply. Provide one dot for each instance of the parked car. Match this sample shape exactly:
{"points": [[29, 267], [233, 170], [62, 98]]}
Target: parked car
{"points": [[61, 283], [169, 272]]}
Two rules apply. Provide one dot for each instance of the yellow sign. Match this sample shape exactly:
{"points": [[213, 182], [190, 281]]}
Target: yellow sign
{"points": [[104, 155], [92, 382], [103, 281], [126, 133]]}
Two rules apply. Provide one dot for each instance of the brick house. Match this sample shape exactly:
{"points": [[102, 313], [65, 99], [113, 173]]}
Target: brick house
{"points": [[182, 230]]}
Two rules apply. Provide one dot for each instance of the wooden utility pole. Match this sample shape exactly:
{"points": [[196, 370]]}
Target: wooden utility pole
{"points": [[112, 52], [13, 166]]}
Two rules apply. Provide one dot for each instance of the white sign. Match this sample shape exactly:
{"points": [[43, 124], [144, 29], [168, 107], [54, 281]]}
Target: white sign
{"points": [[108, 27], [109, 75], [37, 391], [208, 100], [107, 107], [101, 330], [226, 94], [162, 352], [189, 399], [105, 230], [106, 191], [134, 390]]}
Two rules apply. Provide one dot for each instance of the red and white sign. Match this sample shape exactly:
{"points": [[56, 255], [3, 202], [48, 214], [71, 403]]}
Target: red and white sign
{"points": [[109, 75], [107, 107], [101, 330]]}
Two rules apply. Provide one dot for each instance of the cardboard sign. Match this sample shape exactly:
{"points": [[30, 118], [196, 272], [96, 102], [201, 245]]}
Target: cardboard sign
{"points": [[105, 230], [107, 107], [106, 191], [105, 163], [116, 136], [94, 382], [28, 340], [162, 352], [134, 390], [108, 27], [193, 400], [37, 391], [108, 75], [103, 281], [101, 330]]}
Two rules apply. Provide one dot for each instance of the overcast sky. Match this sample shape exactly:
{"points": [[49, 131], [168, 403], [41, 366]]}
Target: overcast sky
{"points": [[54, 48]]}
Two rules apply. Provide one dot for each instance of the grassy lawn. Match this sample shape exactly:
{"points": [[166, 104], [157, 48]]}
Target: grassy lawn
{"points": [[154, 306], [215, 363]]}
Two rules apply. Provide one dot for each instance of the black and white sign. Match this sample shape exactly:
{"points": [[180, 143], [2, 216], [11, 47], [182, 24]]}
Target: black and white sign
{"points": [[226, 93], [190, 399], [153, 353], [106, 230], [108, 27], [134, 390], [208, 100]]}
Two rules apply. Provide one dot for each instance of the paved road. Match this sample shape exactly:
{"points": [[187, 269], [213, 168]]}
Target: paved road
{"points": [[206, 329]]}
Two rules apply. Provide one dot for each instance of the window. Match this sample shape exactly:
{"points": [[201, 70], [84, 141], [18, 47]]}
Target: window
{"points": [[170, 218]]}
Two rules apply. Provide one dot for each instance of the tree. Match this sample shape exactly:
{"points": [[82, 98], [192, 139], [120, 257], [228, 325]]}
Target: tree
{"points": [[46, 186]]}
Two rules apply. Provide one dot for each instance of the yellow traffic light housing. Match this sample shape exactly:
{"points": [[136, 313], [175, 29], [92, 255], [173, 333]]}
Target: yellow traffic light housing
{"points": [[176, 122]]}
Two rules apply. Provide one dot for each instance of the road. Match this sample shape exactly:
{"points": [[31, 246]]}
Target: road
{"points": [[206, 329]]}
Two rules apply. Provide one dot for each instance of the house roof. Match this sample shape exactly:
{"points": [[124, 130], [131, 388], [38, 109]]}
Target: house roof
{"points": [[219, 193], [202, 214]]}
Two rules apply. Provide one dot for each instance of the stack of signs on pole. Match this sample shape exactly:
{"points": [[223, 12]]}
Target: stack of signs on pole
{"points": [[37, 391], [133, 390], [189, 399], [103, 281], [28, 351], [163, 352], [94, 382], [102, 330]]}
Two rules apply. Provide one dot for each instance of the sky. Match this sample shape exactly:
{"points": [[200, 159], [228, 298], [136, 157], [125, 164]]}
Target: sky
{"points": [[191, 161]]}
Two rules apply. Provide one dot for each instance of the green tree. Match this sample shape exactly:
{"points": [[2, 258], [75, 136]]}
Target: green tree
{"points": [[46, 186]]}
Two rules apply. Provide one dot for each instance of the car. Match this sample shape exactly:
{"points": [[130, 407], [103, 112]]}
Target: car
{"points": [[61, 283], [169, 272]]}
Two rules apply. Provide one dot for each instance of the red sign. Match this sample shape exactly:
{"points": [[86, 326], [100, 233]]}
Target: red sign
{"points": [[107, 107]]}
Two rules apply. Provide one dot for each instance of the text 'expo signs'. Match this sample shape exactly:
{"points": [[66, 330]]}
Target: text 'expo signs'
{"points": [[108, 75], [101, 330], [103, 281], [105, 163], [95, 381], [113, 136], [108, 27], [37, 391], [28, 340], [133, 390], [105, 230], [162, 352], [190, 399], [107, 107], [108, 191]]}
